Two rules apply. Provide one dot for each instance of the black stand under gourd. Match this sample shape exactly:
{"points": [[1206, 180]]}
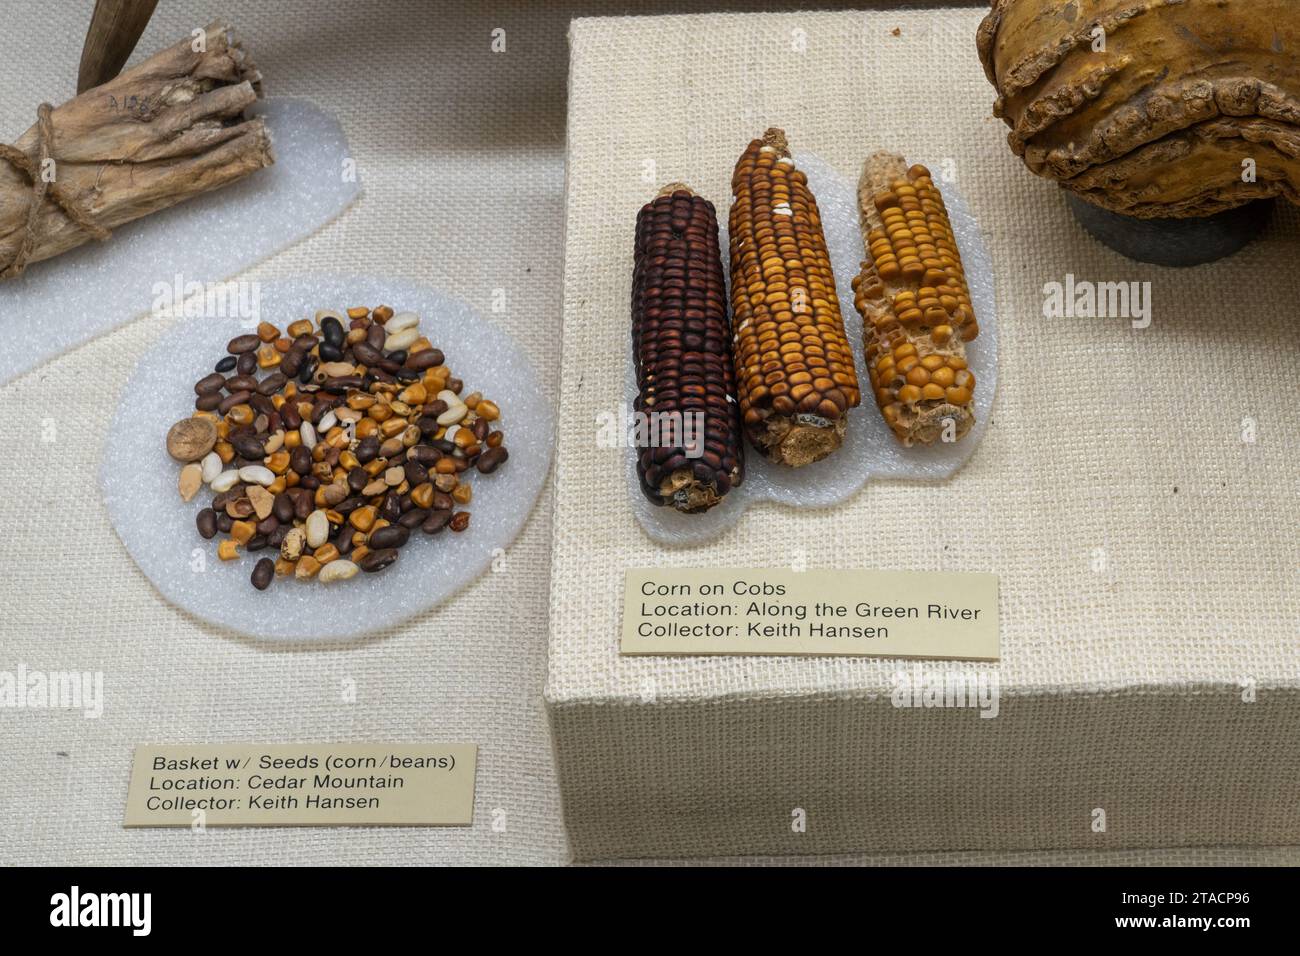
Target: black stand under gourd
{"points": [[1174, 242]]}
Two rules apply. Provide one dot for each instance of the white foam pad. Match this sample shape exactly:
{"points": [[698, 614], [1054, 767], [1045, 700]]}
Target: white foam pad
{"points": [[870, 449], [99, 286], [138, 477]]}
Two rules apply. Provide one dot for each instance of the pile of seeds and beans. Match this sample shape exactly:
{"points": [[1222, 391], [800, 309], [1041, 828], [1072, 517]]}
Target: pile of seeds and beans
{"points": [[356, 436]]}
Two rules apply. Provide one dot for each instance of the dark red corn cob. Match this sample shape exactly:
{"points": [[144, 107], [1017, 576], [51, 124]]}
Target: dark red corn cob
{"points": [[681, 340]]}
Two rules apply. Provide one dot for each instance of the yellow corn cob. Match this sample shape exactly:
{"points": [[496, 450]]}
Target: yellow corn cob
{"points": [[915, 305], [794, 366]]}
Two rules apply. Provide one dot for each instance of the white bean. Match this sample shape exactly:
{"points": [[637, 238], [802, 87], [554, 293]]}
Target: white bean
{"points": [[212, 466], [256, 475], [318, 529], [308, 435], [453, 414], [225, 481], [327, 421], [339, 570], [402, 320], [401, 340]]}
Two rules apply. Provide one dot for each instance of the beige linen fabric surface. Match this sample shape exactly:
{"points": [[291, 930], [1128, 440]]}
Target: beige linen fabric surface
{"points": [[461, 157], [1147, 553]]}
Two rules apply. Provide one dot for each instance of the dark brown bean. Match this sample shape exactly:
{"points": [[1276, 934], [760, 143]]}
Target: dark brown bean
{"points": [[391, 507], [416, 473], [492, 459], [425, 358], [247, 446], [292, 362], [378, 560], [455, 385], [414, 518], [241, 383], [300, 459], [242, 343], [367, 449], [262, 405], [303, 505], [231, 400], [263, 574], [480, 428], [268, 524], [436, 522], [366, 355], [272, 383], [290, 417], [226, 364], [257, 542], [357, 479], [442, 501], [206, 520], [460, 521], [246, 364], [389, 536], [375, 336], [210, 383], [423, 454], [225, 523], [282, 507], [208, 401]]}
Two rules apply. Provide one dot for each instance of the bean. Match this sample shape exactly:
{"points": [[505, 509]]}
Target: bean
{"points": [[366, 354], [367, 449], [272, 383], [331, 330], [300, 460], [231, 400], [414, 518], [436, 522], [242, 343], [263, 574], [340, 570], [425, 358], [283, 507], [226, 364], [206, 520], [492, 459], [289, 417], [375, 336], [241, 383], [256, 543], [246, 364], [378, 560], [225, 523], [302, 503], [460, 521], [268, 525], [247, 446], [256, 474], [318, 529], [210, 383], [389, 536], [415, 473], [329, 352], [208, 401]]}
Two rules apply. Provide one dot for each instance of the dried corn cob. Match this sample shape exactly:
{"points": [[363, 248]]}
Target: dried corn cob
{"points": [[915, 305], [681, 343], [794, 366]]}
